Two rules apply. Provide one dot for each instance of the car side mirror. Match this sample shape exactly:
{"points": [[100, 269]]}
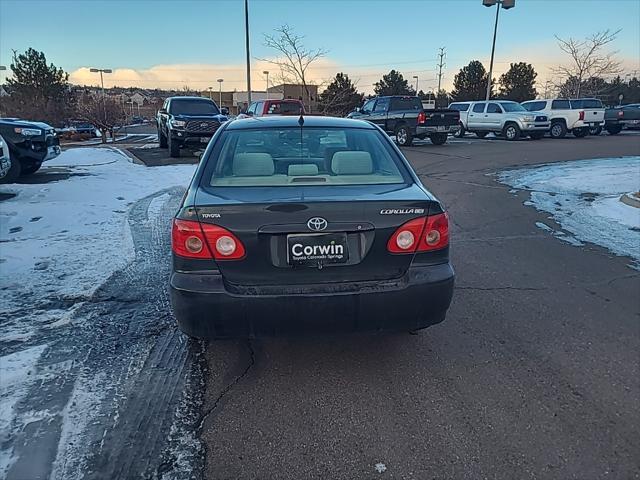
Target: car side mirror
{"points": [[162, 111], [358, 109], [224, 111]]}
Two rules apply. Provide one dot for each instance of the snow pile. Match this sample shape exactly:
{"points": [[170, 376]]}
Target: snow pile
{"points": [[584, 198], [61, 240]]}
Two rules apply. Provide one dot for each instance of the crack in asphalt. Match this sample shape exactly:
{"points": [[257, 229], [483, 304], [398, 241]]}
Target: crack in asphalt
{"points": [[205, 416]]}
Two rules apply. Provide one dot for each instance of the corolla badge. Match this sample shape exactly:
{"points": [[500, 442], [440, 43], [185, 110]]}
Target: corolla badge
{"points": [[317, 223]]}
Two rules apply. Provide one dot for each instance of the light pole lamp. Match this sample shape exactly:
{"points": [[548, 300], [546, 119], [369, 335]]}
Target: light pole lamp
{"points": [[104, 100], [506, 4], [416, 77], [267, 74], [220, 80]]}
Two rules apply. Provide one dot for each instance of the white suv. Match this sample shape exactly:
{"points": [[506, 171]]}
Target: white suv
{"points": [[575, 116], [504, 117]]}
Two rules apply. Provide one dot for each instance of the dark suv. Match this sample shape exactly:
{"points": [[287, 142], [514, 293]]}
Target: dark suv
{"points": [[187, 121]]}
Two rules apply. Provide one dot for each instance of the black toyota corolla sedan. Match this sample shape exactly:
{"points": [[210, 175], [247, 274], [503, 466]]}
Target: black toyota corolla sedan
{"points": [[307, 224]]}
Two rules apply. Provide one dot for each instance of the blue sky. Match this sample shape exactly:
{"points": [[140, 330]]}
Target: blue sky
{"points": [[173, 42]]}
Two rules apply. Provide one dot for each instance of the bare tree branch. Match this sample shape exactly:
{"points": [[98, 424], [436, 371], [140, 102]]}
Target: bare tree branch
{"points": [[587, 60], [294, 59]]}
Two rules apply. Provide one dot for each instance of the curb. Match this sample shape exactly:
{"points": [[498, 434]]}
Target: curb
{"points": [[630, 199]]}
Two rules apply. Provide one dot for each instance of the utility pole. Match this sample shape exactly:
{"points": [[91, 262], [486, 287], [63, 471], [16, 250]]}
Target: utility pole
{"points": [[246, 38], [441, 65]]}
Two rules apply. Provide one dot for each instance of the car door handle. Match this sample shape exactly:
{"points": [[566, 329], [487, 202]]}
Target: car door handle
{"points": [[486, 115]]}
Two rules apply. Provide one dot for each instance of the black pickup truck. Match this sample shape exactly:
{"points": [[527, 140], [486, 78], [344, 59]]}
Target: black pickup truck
{"points": [[617, 119], [187, 121], [404, 117], [29, 144]]}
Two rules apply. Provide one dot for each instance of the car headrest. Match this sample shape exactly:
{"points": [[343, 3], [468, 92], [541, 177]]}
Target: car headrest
{"points": [[253, 165], [303, 169], [351, 162]]}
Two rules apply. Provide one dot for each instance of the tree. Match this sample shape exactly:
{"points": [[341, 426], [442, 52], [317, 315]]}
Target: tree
{"points": [[518, 83], [295, 58], [587, 59], [340, 97], [471, 82], [393, 83], [37, 91], [104, 113]]}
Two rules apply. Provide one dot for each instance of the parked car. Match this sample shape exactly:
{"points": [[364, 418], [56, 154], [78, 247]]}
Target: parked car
{"points": [[506, 118], [187, 121], [80, 127], [275, 107], [5, 158], [617, 119], [405, 117], [463, 108], [576, 116], [29, 144], [318, 225]]}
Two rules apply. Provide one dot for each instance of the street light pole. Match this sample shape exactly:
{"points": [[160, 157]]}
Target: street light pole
{"points": [[506, 4], [246, 38], [220, 80], [267, 74], [104, 98], [416, 77]]}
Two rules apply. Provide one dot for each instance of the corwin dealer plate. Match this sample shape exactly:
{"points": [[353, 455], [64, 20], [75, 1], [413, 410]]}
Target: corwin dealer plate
{"points": [[314, 249]]}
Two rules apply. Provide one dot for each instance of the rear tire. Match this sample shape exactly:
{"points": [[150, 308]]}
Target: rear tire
{"points": [[403, 136], [29, 169], [14, 171], [511, 132], [174, 148], [162, 140], [438, 138], [580, 132], [595, 131], [613, 130], [536, 135], [558, 130], [481, 134], [460, 133]]}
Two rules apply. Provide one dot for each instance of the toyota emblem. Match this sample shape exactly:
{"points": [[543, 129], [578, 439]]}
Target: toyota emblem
{"points": [[203, 124], [317, 223]]}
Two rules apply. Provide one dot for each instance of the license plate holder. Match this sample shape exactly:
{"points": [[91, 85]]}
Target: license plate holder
{"points": [[315, 249], [204, 139], [441, 128]]}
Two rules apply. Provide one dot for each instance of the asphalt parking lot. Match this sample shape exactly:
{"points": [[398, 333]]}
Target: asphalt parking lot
{"points": [[534, 374]]}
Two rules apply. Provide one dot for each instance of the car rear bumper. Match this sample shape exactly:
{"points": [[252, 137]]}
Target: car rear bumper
{"points": [[191, 138], [426, 130], [206, 307]]}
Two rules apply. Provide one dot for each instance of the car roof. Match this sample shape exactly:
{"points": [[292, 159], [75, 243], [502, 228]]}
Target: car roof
{"points": [[190, 97], [289, 121]]}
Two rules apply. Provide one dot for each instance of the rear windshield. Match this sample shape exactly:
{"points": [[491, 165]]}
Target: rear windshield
{"points": [[461, 107], [586, 103], [284, 107], [192, 107], [512, 107], [308, 156], [404, 103]]}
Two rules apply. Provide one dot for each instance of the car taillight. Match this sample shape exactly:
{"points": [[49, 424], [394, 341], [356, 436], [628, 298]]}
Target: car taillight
{"points": [[195, 240], [581, 117], [187, 240], [422, 117], [436, 233], [621, 113], [421, 235], [224, 244]]}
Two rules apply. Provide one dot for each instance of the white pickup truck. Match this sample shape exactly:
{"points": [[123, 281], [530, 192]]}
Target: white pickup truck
{"points": [[575, 116], [505, 118]]}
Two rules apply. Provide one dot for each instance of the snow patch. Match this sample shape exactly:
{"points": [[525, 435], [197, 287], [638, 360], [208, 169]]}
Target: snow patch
{"points": [[583, 198]]}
